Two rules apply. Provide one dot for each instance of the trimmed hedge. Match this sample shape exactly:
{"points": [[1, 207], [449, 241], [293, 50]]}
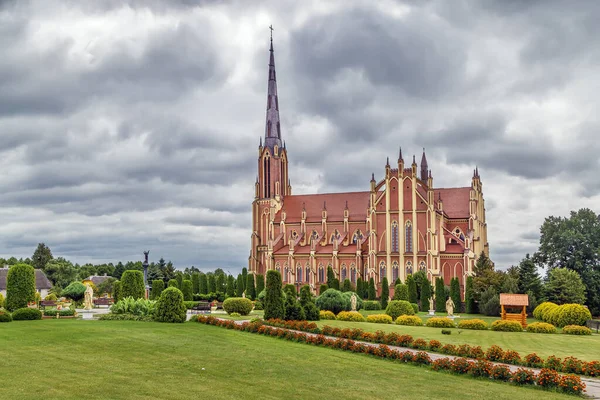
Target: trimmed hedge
{"points": [[475, 324], [438, 322], [379, 319], [26, 314], [371, 305], [20, 286], [331, 300], [170, 306], [506, 326], [540, 310], [569, 314], [415, 307], [187, 288], [541, 327], [326, 314], [409, 320], [158, 286], [239, 305], [132, 284], [5, 317], [353, 316], [576, 330], [397, 308]]}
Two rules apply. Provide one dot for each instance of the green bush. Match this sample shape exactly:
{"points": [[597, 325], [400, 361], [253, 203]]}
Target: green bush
{"points": [[474, 324], [125, 317], [5, 317], [117, 291], [187, 288], [1, 301], [401, 292], [385, 292], [274, 307], [379, 319], [437, 322], [415, 307], [371, 305], [569, 314], [258, 305], [311, 312], [540, 311], [332, 300], [174, 283], [132, 284], [409, 320], [51, 297], [235, 314], [158, 286], [323, 288], [348, 300], [576, 330], [446, 332], [325, 314], [397, 308], [20, 286], [129, 305], [353, 316], [239, 305], [170, 306], [506, 326], [541, 327], [250, 287], [190, 304], [26, 314], [75, 291], [61, 313]]}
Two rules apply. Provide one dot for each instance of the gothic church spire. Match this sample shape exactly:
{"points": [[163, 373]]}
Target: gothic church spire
{"points": [[272, 127]]}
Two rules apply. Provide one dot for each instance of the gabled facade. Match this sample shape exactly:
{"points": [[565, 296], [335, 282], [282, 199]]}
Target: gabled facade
{"points": [[401, 225]]}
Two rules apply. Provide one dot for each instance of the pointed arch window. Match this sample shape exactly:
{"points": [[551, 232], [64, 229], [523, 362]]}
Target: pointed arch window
{"points": [[394, 271], [285, 274], [353, 274], [395, 245], [382, 271], [422, 266], [408, 233], [344, 272], [277, 267], [357, 236], [409, 268], [299, 273], [321, 274], [307, 274]]}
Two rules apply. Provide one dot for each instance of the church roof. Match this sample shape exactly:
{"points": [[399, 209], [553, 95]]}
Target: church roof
{"points": [[455, 201], [334, 202]]}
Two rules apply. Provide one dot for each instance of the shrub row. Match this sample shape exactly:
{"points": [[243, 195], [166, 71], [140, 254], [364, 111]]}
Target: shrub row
{"points": [[541, 327], [380, 319], [371, 305], [493, 353], [353, 316], [564, 315], [5, 316], [546, 379], [507, 326], [125, 317], [26, 314]]}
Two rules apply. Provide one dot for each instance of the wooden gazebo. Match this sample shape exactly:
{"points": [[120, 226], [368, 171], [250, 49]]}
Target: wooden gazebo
{"points": [[514, 302]]}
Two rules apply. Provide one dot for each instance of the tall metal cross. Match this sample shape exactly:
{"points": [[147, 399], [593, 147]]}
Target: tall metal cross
{"points": [[271, 28]]}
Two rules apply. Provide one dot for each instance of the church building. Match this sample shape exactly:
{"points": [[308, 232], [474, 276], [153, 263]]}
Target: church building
{"points": [[401, 224]]}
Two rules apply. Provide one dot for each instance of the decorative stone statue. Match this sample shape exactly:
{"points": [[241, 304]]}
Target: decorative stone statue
{"points": [[87, 302], [353, 301], [450, 307], [146, 256], [244, 294], [431, 304]]}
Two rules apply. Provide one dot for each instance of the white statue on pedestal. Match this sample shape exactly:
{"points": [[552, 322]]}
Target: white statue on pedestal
{"points": [[353, 301], [89, 294]]}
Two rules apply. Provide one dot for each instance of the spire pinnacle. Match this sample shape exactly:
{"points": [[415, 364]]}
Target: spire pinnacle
{"points": [[372, 176], [272, 126], [387, 162], [424, 166], [400, 154]]}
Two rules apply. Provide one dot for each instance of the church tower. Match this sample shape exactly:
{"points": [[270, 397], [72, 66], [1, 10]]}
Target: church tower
{"points": [[272, 182]]}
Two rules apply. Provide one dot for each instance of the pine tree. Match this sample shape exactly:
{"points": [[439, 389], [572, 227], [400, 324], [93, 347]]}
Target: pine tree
{"points": [[440, 295], [260, 283], [41, 256], [250, 288], [239, 287], [412, 289], [469, 302], [425, 294], [385, 293], [274, 306], [372, 291], [529, 279], [203, 284], [230, 286], [359, 287], [455, 294]]}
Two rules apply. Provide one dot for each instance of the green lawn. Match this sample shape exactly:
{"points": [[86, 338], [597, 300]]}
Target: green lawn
{"points": [[544, 345], [74, 359]]}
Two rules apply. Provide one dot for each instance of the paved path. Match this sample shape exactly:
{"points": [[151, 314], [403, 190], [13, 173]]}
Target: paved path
{"points": [[592, 384]]}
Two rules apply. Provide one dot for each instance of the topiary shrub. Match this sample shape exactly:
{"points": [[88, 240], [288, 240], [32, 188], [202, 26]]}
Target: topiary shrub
{"points": [[187, 290], [117, 291], [541, 327], [174, 283], [348, 299], [540, 311], [258, 305], [170, 306], [293, 309], [51, 297], [569, 314], [415, 307], [311, 312], [273, 304], [409, 320], [401, 292], [75, 291], [5, 317], [158, 286], [576, 330], [371, 305], [326, 314], [475, 324], [239, 305], [132, 284], [26, 314], [20, 286], [438, 322], [379, 319], [353, 316], [331, 300], [397, 308], [506, 326]]}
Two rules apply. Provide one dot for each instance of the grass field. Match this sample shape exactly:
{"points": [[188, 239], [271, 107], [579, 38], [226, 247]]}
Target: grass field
{"points": [[71, 359], [544, 345]]}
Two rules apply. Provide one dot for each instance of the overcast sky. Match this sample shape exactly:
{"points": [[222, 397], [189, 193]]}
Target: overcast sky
{"points": [[128, 126]]}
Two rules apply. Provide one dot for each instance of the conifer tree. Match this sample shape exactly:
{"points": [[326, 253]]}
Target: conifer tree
{"points": [[347, 286], [250, 289], [425, 294], [196, 282], [455, 294], [330, 278], [529, 279], [244, 277], [412, 289], [401, 292], [359, 287], [323, 288], [397, 281], [274, 307], [212, 283], [385, 293], [372, 291], [260, 283], [203, 284], [230, 286], [239, 288], [186, 289], [469, 302], [306, 301], [440, 295], [221, 283]]}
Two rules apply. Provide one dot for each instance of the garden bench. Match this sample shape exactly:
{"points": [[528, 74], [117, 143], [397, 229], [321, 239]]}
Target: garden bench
{"points": [[102, 301], [47, 303], [201, 307], [594, 324]]}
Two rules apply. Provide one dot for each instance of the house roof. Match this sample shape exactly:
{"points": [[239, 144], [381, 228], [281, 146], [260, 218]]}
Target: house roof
{"points": [[455, 201], [97, 279], [511, 299], [41, 280], [335, 203]]}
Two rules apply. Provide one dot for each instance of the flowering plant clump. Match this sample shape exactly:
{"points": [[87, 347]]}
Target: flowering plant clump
{"points": [[422, 357], [511, 357], [420, 344], [441, 364], [434, 345], [476, 324], [448, 349], [507, 326], [437, 322], [554, 363], [464, 350], [461, 365], [571, 384], [591, 368], [353, 316], [494, 353], [405, 340], [533, 360], [571, 365], [548, 378], [477, 352], [541, 327], [523, 376], [501, 373], [481, 368]]}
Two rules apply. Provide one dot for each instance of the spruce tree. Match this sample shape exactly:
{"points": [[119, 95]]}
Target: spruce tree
{"points": [[529, 279], [440, 295], [372, 291], [455, 294], [203, 283], [412, 289], [244, 277], [260, 283], [425, 295], [230, 286], [239, 287], [469, 302], [196, 282], [250, 288], [359, 287], [385, 293], [273, 305]]}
